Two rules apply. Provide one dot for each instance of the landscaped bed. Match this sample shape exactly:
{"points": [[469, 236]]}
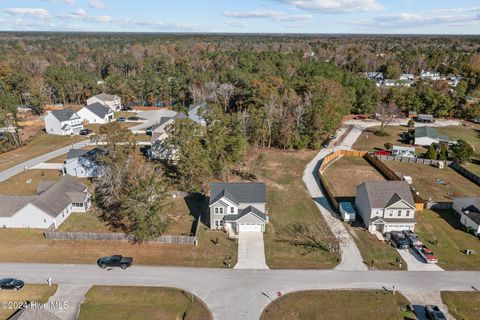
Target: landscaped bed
{"points": [[434, 183], [288, 201], [341, 305], [462, 305], [30, 292], [382, 254], [345, 174], [443, 233], [132, 303]]}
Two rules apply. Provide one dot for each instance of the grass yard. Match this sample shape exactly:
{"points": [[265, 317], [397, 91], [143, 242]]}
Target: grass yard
{"points": [[469, 134], [138, 303], [462, 305], [30, 292], [442, 232], [368, 141], [17, 185], [345, 174], [338, 305], [91, 221], [29, 245], [40, 144], [96, 127], [288, 201], [385, 257], [425, 181]]}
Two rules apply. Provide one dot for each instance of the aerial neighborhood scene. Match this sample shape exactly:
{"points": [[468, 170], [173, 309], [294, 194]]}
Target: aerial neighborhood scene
{"points": [[272, 160]]}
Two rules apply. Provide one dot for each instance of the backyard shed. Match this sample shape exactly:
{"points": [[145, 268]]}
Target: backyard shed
{"points": [[347, 211]]}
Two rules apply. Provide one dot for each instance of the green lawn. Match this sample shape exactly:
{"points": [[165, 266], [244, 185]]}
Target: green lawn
{"points": [[138, 303], [384, 256], [442, 232], [462, 305], [368, 141], [357, 169], [338, 305], [40, 144], [469, 134], [30, 292], [425, 181], [288, 201]]}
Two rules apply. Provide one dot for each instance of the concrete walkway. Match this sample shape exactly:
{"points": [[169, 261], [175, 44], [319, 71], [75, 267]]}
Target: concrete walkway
{"points": [[4, 175], [251, 251], [420, 299]]}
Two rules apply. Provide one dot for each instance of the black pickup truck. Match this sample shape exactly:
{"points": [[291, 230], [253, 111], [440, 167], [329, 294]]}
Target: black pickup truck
{"points": [[115, 261]]}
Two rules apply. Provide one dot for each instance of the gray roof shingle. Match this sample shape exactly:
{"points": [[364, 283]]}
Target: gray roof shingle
{"points": [[63, 115], [106, 97], [242, 192], [76, 153], [382, 194], [99, 109], [9, 205]]}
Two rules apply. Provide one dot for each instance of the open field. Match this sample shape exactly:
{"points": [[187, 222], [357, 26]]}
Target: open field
{"points": [[338, 305], [368, 141], [29, 245], [345, 174], [181, 220], [17, 185], [462, 305], [384, 256], [132, 303], [288, 201], [40, 144], [442, 232], [425, 181], [30, 292]]}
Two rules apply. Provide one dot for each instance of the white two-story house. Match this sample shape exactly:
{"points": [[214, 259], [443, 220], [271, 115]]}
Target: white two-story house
{"points": [[63, 122], [386, 206], [96, 113], [114, 102], [83, 163], [238, 207]]}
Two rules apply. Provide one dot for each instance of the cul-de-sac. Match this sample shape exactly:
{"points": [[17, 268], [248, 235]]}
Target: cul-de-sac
{"points": [[272, 160]]}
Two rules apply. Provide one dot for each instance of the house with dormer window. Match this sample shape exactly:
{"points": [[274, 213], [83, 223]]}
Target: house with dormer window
{"points": [[386, 206], [238, 207]]}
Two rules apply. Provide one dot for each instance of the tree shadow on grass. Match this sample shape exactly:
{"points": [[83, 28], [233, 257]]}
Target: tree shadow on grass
{"points": [[196, 207]]}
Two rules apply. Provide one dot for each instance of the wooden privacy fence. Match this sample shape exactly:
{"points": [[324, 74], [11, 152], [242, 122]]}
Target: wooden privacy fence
{"points": [[339, 153], [412, 160], [53, 235], [466, 173]]}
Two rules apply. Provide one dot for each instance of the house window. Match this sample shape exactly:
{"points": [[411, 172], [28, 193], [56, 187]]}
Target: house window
{"points": [[399, 213], [232, 210], [390, 213], [44, 220], [408, 213]]}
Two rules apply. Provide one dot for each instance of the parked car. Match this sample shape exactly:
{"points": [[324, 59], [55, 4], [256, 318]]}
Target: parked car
{"points": [[85, 132], [121, 119], [412, 238], [426, 254], [399, 239], [360, 117], [115, 261], [383, 153], [434, 313], [133, 118], [11, 284], [149, 131]]}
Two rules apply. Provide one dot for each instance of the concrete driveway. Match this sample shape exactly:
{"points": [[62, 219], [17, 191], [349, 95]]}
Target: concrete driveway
{"points": [[415, 262], [251, 251], [152, 117], [420, 299]]}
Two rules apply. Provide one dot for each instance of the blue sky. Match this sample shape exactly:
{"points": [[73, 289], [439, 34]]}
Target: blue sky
{"points": [[277, 16]]}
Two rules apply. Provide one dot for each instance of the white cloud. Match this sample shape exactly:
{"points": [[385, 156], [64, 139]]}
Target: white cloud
{"points": [[263, 14], [151, 24], [69, 2], [97, 4], [31, 12], [335, 6], [239, 24]]}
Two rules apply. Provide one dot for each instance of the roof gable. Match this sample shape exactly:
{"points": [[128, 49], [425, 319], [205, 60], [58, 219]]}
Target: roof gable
{"points": [[242, 192], [64, 115], [381, 194]]}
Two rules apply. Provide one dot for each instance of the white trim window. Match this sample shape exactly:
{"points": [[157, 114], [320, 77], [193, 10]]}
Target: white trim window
{"points": [[219, 210]]}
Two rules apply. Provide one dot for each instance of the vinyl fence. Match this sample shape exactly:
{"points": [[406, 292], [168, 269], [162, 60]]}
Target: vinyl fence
{"points": [[53, 235], [411, 160]]}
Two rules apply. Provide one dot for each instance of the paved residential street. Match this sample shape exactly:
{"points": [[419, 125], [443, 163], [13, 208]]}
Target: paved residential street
{"points": [[4, 175], [251, 251], [221, 289]]}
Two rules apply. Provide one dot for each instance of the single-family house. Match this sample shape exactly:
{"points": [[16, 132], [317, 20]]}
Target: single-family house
{"points": [[425, 118], [82, 163], [469, 211], [195, 112], [407, 76], [432, 75], [376, 76], [412, 114], [453, 79], [96, 113], [114, 102], [159, 133], [53, 203], [425, 136], [238, 207], [397, 83], [63, 122], [404, 152], [386, 206]]}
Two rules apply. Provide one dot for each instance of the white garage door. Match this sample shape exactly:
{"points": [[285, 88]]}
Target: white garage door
{"points": [[250, 227]]}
